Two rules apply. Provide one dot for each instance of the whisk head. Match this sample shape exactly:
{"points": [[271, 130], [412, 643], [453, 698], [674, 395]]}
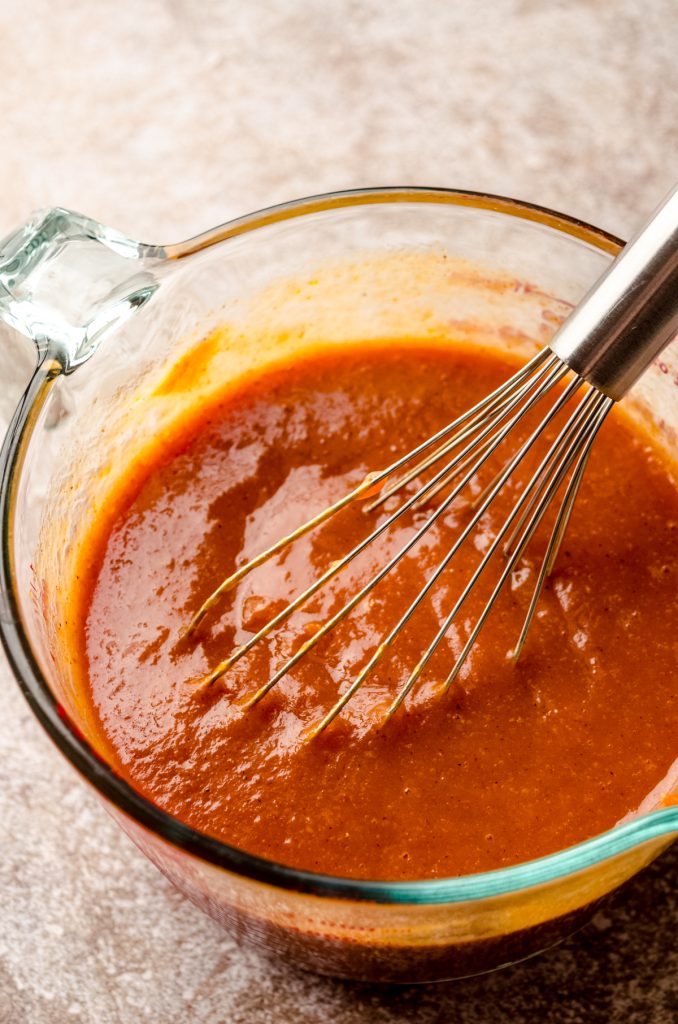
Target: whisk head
{"points": [[453, 457]]}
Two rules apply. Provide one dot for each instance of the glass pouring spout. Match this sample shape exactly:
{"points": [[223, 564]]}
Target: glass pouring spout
{"points": [[66, 281]]}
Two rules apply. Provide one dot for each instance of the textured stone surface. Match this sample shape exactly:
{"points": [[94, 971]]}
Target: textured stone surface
{"points": [[162, 117]]}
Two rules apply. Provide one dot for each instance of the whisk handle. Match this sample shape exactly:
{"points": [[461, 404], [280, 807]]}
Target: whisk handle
{"points": [[631, 314]]}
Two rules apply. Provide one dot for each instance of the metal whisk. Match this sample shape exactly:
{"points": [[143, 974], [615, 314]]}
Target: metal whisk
{"points": [[620, 326]]}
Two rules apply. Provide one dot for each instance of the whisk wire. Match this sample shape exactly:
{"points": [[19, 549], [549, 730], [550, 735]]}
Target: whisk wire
{"points": [[496, 400], [333, 570], [558, 371], [534, 521], [478, 433], [597, 418], [552, 378], [503, 399], [546, 470], [498, 485]]}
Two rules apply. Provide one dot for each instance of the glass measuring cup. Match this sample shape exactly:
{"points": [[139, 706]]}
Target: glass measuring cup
{"points": [[122, 331]]}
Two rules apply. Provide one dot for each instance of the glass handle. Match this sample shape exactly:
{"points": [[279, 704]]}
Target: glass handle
{"points": [[66, 281]]}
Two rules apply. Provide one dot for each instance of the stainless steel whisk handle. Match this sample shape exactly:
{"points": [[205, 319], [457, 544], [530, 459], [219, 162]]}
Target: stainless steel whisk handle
{"points": [[631, 313]]}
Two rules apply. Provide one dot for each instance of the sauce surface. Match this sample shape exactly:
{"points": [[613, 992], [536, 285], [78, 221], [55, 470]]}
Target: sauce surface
{"points": [[515, 761]]}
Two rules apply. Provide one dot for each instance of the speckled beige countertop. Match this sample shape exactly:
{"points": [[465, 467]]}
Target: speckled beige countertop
{"points": [[163, 117]]}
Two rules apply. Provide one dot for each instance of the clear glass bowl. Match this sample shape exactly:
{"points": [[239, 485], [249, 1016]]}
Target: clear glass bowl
{"points": [[119, 329]]}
